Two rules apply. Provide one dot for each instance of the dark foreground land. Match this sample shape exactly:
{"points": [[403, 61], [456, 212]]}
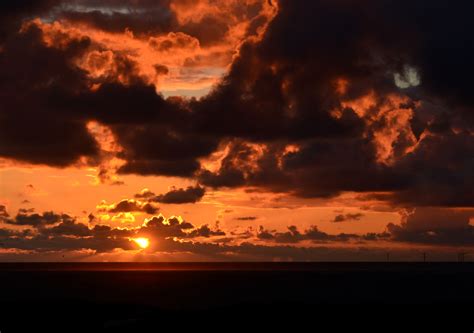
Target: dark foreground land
{"points": [[133, 297]]}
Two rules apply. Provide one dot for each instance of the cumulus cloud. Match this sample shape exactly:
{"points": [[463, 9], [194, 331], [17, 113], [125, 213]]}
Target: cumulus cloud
{"points": [[53, 232], [162, 227], [42, 141], [206, 231], [324, 98], [127, 206], [145, 194], [23, 218], [435, 226], [191, 194], [181, 196], [365, 126], [297, 114], [60, 232]]}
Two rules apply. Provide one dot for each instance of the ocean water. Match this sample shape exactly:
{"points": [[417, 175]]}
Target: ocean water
{"points": [[115, 296]]}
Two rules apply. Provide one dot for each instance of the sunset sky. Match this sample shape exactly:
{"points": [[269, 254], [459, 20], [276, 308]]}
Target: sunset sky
{"points": [[222, 130]]}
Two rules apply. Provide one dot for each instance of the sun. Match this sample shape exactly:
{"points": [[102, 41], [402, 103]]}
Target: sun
{"points": [[142, 242]]}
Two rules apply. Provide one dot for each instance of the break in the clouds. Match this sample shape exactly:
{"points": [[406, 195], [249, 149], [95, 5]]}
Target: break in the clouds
{"points": [[308, 99]]}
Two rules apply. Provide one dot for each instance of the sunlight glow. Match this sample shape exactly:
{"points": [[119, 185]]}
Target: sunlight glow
{"points": [[142, 242]]}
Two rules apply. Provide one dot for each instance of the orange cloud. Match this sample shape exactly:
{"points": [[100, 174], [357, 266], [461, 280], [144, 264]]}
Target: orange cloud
{"points": [[388, 119], [109, 150], [176, 62]]}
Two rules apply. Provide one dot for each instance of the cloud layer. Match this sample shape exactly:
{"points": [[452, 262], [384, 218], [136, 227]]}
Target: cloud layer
{"points": [[310, 99], [311, 107]]}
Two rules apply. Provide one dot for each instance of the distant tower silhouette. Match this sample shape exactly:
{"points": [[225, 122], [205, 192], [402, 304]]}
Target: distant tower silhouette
{"points": [[462, 256], [424, 256]]}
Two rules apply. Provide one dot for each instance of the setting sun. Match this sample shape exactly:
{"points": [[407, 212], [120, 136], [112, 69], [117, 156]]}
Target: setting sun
{"points": [[142, 242]]}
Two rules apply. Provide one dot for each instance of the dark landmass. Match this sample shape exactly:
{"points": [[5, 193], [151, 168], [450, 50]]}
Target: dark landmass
{"points": [[134, 296]]}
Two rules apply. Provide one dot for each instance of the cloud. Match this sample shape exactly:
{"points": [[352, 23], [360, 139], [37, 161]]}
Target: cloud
{"points": [[37, 220], [435, 226], [3, 212], [293, 235], [360, 121], [52, 232], [60, 232], [43, 83], [162, 227], [347, 217], [145, 17], [69, 228], [127, 206], [246, 218], [206, 231], [296, 115], [181, 196], [145, 194]]}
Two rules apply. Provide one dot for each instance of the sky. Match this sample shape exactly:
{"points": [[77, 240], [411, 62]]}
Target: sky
{"points": [[236, 130]]}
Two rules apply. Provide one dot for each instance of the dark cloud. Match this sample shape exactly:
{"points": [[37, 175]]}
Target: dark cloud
{"points": [[126, 206], [246, 218], [265, 234], [69, 228], [293, 235], [247, 234], [34, 128], [26, 210], [23, 218], [159, 226], [168, 148], [145, 17], [285, 89], [181, 196], [206, 231], [91, 217], [160, 17], [61, 232], [145, 194], [347, 217], [12, 14], [42, 243], [447, 178], [435, 226], [3, 212]]}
